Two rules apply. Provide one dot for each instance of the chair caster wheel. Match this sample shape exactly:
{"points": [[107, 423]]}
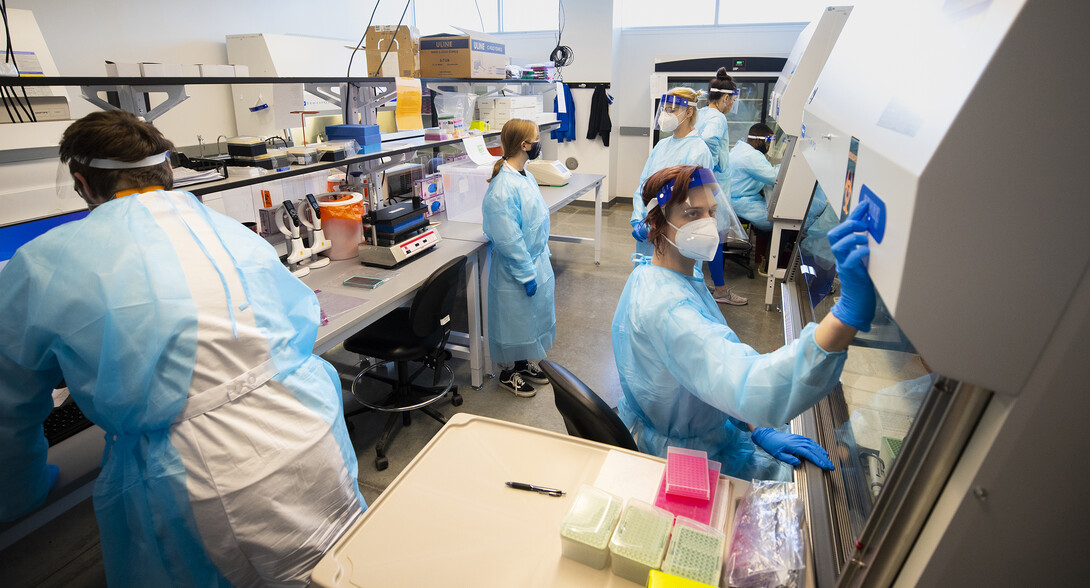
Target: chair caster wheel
{"points": [[381, 463], [597, 263], [457, 400]]}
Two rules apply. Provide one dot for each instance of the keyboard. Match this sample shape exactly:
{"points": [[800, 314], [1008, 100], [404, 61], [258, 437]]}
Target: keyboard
{"points": [[65, 420]]}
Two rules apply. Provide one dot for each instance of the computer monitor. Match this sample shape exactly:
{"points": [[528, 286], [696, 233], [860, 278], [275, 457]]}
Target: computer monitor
{"points": [[15, 235]]}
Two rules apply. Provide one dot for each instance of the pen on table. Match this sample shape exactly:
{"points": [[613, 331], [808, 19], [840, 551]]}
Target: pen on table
{"points": [[532, 488]]}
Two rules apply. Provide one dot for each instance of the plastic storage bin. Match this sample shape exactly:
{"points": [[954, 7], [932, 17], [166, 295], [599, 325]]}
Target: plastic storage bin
{"points": [[639, 543], [696, 552], [687, 473], [464, 185], [342, 223], [585, 532]]}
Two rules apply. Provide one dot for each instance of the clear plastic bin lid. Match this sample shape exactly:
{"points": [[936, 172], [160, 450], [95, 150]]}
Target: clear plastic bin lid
{"points": [[592, 517], [695, 552], [687, 473], [642, 533]]}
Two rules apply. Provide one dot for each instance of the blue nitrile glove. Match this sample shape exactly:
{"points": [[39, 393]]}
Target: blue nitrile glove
{"points": [[856, 305], [786, 446], [639, 231], [531, 287], [53, 472]]}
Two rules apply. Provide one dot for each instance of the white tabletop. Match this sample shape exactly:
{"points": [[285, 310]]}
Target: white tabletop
{"points": [[449, 520]]}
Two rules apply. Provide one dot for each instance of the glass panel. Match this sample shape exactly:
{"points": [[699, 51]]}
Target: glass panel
{"points": [[655, 13], [750, 99], [884, 380], [441, 16], [530, 15]]}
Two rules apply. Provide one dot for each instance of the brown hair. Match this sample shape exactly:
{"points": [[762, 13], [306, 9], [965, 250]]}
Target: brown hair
{"points": [[690, 95], [656, 217], [721, 81], [514, 132], [120, 135]]}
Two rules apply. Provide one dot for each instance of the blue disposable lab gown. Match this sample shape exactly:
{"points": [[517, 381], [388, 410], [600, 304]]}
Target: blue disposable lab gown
{"points": [[711, 125], [689, 382], [750, 172], [179, 332], [516, 220], [688, 150]]}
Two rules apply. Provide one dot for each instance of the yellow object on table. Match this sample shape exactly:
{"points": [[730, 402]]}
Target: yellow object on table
{"points": [[660, 579]]}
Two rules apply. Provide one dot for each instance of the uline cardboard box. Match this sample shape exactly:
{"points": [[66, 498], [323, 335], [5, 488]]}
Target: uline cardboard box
{"points": [[403, 59], [462, 56]]}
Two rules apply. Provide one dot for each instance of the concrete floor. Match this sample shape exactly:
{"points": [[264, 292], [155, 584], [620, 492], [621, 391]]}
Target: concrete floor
{"points": [[65, 552]]}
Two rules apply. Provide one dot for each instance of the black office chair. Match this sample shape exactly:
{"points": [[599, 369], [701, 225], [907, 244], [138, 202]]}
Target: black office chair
{"points": [[585, 414], [739, 251], [417, 334]]}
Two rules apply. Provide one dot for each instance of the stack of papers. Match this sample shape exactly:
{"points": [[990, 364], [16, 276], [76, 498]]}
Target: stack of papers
{"points": [[183, 176]]}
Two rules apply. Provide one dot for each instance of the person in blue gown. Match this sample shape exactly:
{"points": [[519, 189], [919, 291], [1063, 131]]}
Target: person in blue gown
{"points": [[681, 146], [750, 173], [521, 311], [711, 125], [688, 381], [179, 332]]}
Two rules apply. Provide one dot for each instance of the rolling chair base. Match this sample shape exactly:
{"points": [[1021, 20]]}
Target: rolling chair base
{"points": [[406, 397]]}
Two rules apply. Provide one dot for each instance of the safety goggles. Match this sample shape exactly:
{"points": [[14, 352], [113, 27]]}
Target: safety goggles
{"points": [[769, 138]]}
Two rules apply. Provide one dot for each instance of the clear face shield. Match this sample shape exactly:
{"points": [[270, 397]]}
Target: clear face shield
{"points": [[766, 142], [732, 95], [672, 109], [704, 192], [66, 183]]}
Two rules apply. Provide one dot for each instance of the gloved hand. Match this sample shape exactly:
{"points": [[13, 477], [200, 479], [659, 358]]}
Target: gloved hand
{"points": [[857, 299], [53, 472], [786, 446], [531, 287], [640, 231]]}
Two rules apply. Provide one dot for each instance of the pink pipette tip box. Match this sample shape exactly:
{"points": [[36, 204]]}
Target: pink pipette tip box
{"points": [[696, 509], [687, 473]]}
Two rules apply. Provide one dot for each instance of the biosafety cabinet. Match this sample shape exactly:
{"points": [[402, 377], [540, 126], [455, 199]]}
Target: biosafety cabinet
{"points": [[957, 425]]}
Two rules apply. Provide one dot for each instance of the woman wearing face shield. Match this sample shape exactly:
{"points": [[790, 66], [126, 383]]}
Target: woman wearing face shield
{"points": [[521, 312], [750, 172], [687, 379], [683, 146], [711, 125]]}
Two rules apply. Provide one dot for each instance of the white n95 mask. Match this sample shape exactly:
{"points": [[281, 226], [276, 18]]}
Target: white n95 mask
{"points": [[697, 240], [668, 122]]}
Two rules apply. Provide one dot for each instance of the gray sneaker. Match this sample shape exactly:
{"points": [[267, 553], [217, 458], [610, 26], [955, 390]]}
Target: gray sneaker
{"points": [[732, 298]]}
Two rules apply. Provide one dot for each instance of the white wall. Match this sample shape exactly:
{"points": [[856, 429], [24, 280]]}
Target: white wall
{"points": [[81, 35]]}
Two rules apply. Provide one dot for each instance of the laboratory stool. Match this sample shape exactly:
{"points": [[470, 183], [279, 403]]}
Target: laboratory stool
{"points": [[416, 334]]}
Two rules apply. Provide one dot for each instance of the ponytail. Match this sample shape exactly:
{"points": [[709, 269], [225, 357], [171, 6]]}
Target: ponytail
{"points": [[513, 134]]}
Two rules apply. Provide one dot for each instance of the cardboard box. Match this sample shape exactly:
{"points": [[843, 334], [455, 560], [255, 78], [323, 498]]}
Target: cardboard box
{"points": [[161, 70], [44, 108], [123, 70], [462, 56], [404, 57]]}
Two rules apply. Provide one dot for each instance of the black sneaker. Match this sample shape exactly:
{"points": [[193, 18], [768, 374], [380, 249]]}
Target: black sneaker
{"points": [[512, 381], [533, 373]]}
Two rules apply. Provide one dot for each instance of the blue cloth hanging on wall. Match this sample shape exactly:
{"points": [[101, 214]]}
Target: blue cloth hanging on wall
{"points": [[566, 130]]}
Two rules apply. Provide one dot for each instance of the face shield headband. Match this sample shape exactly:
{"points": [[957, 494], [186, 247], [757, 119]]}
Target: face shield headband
{"points": [[65, 189], [701, 177]]}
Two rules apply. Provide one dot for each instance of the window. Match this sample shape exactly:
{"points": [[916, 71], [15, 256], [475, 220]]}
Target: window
{"points": [[749, 12], [531, 15], [658, 13], [441, 16]]}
